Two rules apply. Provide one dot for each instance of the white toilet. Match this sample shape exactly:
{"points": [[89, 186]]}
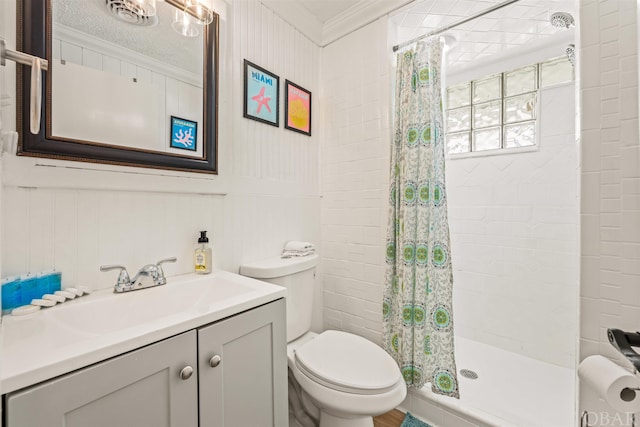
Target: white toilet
{"points": [[345, 379]]}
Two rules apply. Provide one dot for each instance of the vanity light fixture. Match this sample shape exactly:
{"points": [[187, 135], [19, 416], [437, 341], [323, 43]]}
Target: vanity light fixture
{"points": [[184, 24], [202, 14], [141, 7]]}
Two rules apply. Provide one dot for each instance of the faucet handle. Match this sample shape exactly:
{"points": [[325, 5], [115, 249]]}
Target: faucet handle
{"points": [[162, 261], [123, 277], [161, 279]]}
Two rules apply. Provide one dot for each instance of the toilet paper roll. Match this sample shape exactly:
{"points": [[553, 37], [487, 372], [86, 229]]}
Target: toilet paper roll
{"points": [[612, 382]]}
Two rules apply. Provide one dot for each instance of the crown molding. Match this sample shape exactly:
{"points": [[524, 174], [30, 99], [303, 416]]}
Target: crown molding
{"points": [[362, 13], [89, 41], [357, 16], [298, 17]]}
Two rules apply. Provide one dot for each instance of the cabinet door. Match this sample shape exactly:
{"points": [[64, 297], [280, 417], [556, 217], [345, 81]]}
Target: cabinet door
{"points": [[138, 389], [249, 385]]}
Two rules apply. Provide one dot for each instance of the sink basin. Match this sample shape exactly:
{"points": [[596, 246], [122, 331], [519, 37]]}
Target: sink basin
{"points": [[92, 328], [107, 312]]}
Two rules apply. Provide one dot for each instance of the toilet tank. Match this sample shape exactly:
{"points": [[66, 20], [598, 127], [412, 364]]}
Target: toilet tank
{"points": [[297, 275]]}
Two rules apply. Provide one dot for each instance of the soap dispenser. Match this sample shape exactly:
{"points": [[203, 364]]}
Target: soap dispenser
{"points": [[203, 254]]}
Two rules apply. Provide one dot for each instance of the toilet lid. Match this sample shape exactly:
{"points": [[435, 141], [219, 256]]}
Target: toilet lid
{"points": [[347, 362]]}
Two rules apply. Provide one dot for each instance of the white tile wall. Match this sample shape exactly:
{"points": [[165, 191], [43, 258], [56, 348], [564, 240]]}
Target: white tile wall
{"points": [[514, 236], [610, 212], [355, 107], [513, 217]]}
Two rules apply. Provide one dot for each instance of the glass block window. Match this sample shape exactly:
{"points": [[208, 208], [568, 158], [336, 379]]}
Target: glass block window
{"points": [[555, 71], [499, 111], [519, 81], [458, 96], [486, 89]]}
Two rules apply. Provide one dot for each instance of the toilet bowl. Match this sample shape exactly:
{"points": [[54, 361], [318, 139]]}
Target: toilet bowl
{"points": [[348, 378], [339, 379]]}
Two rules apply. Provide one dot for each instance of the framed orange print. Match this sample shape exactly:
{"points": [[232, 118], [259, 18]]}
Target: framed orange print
{"points": [[297, 108]]}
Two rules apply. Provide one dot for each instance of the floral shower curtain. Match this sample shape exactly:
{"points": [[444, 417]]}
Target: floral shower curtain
{"points": [[417, 312]]}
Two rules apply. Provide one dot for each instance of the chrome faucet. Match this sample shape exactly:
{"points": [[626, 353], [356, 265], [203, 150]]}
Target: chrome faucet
{"points": [[148, 276]]}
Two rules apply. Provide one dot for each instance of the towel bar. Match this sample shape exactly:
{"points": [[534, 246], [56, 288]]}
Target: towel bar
{"points": [[37, 64]]}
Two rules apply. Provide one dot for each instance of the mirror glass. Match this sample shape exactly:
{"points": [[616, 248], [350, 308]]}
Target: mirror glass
{"points": [[119, 78], [123, 87]]}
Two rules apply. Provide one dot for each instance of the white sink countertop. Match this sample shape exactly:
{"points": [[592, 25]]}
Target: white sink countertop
{"points": [[93, 328]]}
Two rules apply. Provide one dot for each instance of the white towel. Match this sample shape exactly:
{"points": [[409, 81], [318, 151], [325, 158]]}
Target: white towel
{"points": [[297, 246], [291, 254]]}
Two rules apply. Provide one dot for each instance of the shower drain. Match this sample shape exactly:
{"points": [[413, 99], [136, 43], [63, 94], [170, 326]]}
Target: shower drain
{"points": [[468, 373]]}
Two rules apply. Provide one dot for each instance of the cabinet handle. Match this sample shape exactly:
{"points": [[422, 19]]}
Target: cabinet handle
{"points": [[215, 361], [186, 372]]}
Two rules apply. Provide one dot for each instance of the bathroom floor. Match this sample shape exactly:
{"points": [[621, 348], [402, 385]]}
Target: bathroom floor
{"points": [[390, 419]]}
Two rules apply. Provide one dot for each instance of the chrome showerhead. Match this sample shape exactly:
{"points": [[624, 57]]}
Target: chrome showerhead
{"points": [[562, 20], [571, 54]]}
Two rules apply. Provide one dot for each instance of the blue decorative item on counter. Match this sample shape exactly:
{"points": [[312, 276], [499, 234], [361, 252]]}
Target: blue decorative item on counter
{"points": [[29, 288], [11, 294], [53, 281], [20, 290], [43, 283]]}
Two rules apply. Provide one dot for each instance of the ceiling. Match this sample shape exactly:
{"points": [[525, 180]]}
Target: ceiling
{"points": [[325, 21], [522, 25], [511, 29], [158, 41], [324, 10]]}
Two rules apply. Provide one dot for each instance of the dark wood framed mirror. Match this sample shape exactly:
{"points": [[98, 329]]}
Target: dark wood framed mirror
{"points": [[92, 125]]}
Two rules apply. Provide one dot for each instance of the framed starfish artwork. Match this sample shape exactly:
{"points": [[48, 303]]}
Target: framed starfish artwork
{"points": [[297, 108], [184, 134], [261, 91]]}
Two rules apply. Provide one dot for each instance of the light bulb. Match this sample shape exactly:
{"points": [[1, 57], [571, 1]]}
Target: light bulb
{"points": [[202, 14], [184, 24]]}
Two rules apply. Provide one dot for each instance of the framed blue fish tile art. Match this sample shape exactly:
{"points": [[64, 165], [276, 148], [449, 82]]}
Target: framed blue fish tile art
{"points": [[184, 134]]}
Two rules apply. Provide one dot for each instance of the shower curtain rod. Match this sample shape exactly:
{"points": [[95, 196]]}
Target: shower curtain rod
{"points": [[455, 24]]}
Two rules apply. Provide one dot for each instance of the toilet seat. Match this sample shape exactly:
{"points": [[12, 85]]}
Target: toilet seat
{"points": [[348, 363]]}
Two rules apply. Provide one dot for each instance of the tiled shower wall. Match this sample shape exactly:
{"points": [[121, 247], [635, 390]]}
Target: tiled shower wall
{"points": [[610, 193], [354, 171], [513, 217], [514, 239], [269, 176]]}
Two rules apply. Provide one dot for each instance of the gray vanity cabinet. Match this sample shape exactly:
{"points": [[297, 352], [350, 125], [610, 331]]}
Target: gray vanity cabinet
{"points": [[232, 373], [243, 369], [142, 388]]}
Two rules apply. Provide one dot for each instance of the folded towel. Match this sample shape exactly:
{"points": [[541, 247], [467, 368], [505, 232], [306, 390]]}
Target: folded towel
{"points": [[294, 245], [291, 254]]}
